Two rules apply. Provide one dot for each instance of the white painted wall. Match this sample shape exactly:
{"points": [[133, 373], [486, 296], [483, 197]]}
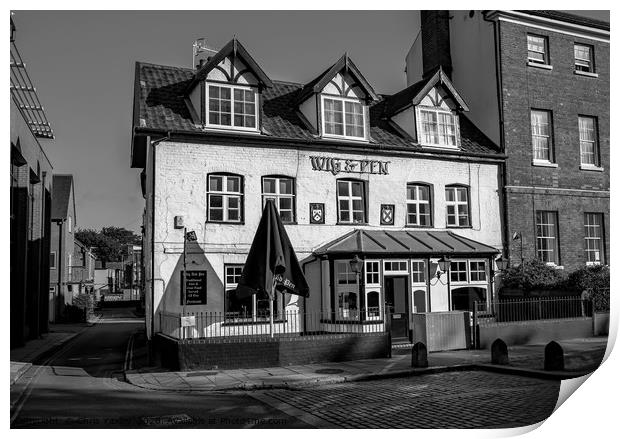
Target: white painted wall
{"points": [[181, 189]]}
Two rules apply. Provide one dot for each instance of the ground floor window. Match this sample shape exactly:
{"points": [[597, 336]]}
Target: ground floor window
{"points": [[373, 307], [251, 308], [593, 225], [463, 298]]}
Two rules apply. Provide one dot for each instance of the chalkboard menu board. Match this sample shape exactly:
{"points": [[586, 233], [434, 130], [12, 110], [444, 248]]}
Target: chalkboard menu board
{"points": [[195, 287]]}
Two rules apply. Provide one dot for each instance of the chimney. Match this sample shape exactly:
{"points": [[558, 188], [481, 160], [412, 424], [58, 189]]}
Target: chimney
{"points": [[435, 42], [202, 53]]}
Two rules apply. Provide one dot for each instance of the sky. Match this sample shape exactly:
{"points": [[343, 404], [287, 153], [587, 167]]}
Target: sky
{"points": [[83, 64]]}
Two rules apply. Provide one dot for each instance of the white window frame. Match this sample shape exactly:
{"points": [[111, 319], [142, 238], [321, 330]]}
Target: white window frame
{"points": [[344, 121], [583, 62], [437, 111], [424, 273], [350, 198], [593, 142], [594, 239], [452, 271], [69, 224], [225, 198], [456, 203], [277, 196], [367, 271], [417, 202], [232, 125], [555, 248], [545, 51], [486, 271], [536, 133], [346, 288], [390, 271], [54, 265]]}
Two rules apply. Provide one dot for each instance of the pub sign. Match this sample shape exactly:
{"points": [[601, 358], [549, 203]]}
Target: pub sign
{"points": [[195, 287], [317, 213], [387, 214]]}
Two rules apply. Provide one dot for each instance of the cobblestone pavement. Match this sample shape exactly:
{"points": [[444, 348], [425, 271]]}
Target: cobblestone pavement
{"points": [[448, 400]]}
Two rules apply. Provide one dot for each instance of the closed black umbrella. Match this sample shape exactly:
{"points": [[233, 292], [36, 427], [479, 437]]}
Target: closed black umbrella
{"points": [[271, 264]]}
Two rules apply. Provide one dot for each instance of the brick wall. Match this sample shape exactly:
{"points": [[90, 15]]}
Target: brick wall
{"points": [[571, 190], [267, 352]]}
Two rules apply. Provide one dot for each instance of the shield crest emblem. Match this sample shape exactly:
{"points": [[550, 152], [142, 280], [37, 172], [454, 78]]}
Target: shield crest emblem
{"points": [[387, 214], [317, 213]]}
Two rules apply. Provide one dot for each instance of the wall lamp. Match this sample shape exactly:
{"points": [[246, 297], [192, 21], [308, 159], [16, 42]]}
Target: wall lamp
{"points": [[356, 264], [444, 265]]}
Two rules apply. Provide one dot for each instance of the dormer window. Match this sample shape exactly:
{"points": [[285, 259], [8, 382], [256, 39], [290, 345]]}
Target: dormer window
{"points": [[343, 118], [438, 127], [232, 106]]}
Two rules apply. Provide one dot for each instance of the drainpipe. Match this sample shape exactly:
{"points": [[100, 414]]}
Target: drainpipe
{"points": [[153, 144], [59, 269], [303, 268]]}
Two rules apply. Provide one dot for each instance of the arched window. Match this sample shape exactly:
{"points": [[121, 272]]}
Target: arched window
{"points": [[224, 198], [419, 205], [457, 206]]}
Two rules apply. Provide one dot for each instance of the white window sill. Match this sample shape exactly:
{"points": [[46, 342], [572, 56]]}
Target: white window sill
{"points": [[442, 147], [344, 138], [553, 265], [235, 130], [540, 65], [544, 164], [593, 263], [591, 168], [588, 74]]}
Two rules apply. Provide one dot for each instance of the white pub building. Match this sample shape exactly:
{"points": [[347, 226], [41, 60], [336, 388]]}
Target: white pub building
{"points": [[392, 203]]}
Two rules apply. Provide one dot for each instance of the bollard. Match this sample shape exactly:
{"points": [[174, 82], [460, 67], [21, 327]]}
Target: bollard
{"points": [[419, 357], [499, 352], [554, 356]]}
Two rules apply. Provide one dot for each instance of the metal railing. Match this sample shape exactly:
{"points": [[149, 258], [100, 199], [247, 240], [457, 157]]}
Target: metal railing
{"points": [[194, 325], [528, 309]]}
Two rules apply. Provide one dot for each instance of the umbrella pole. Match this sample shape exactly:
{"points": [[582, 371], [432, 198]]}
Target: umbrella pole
{"points": [[271, 310]]}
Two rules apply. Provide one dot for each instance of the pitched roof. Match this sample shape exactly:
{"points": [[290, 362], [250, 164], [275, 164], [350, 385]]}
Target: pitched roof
{"points": [[319, 83], [236, 49], [61, 195], [414, 94], [414, 242], [571, 18], [161, 106]]}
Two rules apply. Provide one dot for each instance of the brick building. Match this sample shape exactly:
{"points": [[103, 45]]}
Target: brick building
{"points": [[537, 83], [30, 206], [400, 182], [63, 219], [82, 268]]}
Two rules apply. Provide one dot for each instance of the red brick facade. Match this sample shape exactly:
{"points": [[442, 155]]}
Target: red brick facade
{"points": [[566, 189]]}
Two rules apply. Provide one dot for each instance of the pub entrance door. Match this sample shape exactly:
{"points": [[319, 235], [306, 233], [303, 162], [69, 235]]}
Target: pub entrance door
{"points": [[397, 309]]}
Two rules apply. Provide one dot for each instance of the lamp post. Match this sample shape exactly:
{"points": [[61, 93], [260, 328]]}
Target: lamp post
{"points": [[357, 265]]}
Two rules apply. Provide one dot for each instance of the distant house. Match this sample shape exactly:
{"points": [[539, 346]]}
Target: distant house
{"points": [[83, 269], [62, 245]]}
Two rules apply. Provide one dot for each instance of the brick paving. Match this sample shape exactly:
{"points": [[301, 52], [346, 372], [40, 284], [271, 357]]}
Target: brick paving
{"points": [[466, 399]]}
